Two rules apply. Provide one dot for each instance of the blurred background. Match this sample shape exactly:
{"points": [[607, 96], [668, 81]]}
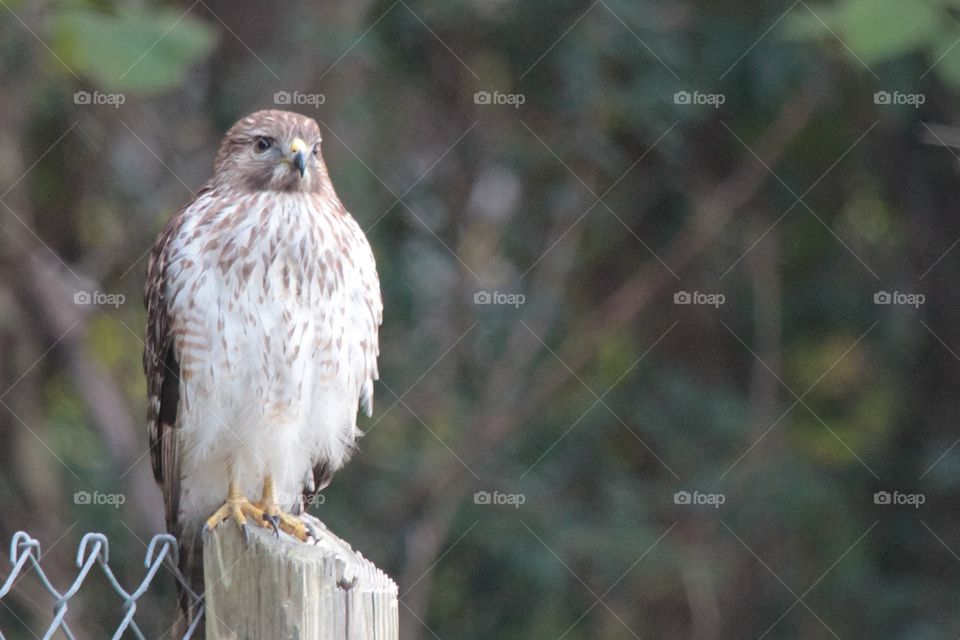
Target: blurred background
{"points": [[672, 327]]}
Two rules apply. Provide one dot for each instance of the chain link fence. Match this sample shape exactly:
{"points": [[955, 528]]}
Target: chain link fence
{"points": [[95, 550]]}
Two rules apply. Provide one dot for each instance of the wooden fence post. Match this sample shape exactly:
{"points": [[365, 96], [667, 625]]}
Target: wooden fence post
{"points": [[280, 589]]}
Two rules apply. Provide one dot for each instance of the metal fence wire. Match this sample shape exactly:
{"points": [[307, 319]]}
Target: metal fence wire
{"points": [[95, 549]]}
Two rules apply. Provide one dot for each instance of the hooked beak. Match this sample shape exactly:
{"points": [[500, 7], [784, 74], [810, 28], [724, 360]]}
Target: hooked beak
{"points": [[298, 148]]}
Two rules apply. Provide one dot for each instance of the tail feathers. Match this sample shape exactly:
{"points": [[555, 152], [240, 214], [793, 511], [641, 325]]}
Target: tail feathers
{"points": [[191, 600]]}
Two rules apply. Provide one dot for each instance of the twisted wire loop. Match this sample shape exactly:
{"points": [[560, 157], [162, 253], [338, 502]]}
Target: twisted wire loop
{"points": [[95, 549]]}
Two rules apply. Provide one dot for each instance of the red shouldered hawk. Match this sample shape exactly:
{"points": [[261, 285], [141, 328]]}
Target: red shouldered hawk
{"points": [[263, 309]]}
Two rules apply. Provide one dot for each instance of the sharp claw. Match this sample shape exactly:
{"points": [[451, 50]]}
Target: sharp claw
{"points": [[274, 522], [245, 532]]}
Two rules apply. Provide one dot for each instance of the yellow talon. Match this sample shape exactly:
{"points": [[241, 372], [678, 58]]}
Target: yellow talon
{"points": [[265, 512], [236, 507], [277, 519]]}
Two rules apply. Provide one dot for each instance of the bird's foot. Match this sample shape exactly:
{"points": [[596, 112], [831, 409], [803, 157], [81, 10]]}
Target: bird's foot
{"points": [[278, 520], [237, 508]]}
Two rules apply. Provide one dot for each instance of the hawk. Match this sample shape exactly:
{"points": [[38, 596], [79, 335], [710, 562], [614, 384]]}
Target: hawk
{"points": [[263, 310]]}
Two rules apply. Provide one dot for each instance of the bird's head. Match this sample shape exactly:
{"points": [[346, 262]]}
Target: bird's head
{"points": [[272, 151]]}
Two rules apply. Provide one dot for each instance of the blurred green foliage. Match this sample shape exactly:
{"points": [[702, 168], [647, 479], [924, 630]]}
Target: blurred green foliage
{"points": [[101, 43]]}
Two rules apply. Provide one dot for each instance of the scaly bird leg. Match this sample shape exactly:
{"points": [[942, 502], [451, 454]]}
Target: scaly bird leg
{"points": [[237, 507], [275, 517]]}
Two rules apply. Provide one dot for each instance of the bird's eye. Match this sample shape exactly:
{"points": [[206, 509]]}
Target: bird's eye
{"points": [[316, 149], [262, 143]]}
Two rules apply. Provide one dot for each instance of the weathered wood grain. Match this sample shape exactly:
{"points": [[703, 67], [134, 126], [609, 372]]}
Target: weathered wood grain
{"points": [[282, 589]]}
